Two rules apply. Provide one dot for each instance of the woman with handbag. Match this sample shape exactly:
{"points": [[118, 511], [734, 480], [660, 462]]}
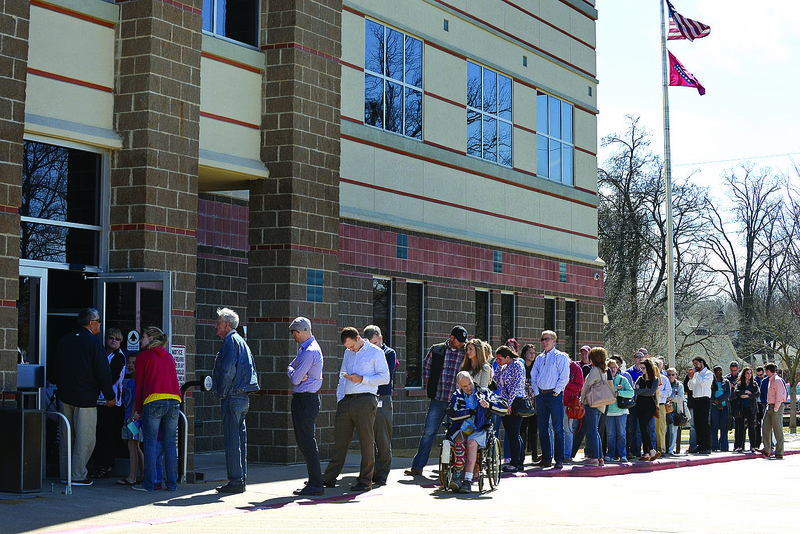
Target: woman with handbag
{"points": [[676, 399], [646, 388], [746, 394], [510, 378], [596, 394], [617, 415]]}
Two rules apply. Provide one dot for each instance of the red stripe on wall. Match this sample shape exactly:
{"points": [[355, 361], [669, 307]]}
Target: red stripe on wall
{"points": [[231, 62], [152, 228], [66, 79], [543, 21], [9, 209], [443, 99], [71, 13], [183, 313], [292, 246], [230, 120]]}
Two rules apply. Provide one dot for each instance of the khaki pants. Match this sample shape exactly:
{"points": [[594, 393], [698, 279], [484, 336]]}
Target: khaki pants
{"points": [[661, 429], [353, 413], [773, 423], [83, 422]]}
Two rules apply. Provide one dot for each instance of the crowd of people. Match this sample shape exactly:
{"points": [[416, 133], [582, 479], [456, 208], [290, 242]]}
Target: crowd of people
{"points": [[547, 404]]}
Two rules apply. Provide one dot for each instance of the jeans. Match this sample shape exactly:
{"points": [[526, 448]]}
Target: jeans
{"points": [[551, 409], [234, 432], [617, 443], [671, 437], [511, 423], [719, 428], [634, 437], [692, 433], [569, 431], [83, 422], [433, 422], [160, 415], [591, 420], [305, 408]]}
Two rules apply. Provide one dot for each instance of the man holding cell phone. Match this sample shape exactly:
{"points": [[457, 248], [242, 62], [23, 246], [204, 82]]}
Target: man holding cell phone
{"points": [[363, 369]]}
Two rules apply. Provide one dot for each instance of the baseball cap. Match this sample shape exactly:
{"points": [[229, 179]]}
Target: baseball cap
{"points": [[641, 353], [300, 324], [460, 333], [586, 348]]}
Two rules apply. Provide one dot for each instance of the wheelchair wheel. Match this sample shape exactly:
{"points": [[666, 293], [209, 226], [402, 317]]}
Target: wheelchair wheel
{"points": [[491, 462], [445, 470], [482, 473]]}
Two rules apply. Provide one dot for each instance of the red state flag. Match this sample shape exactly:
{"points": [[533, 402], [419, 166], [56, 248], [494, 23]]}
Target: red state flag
{"points": [[680, 77]]}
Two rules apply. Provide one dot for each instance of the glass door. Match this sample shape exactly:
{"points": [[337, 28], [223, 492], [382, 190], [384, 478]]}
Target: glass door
{"points": [[32, 319]]}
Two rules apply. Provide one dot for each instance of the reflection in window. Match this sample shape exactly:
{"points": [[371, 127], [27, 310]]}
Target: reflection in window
{"points": [[415, 317], [571, 328], [482, 314], [507, 316], [392, 80], [554, 142], [235, 19], [60, 209], [488, 114], [382, 307]]}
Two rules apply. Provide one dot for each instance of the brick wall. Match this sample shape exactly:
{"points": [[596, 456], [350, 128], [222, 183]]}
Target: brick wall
{"points": [[154, 175], [14, 26]]}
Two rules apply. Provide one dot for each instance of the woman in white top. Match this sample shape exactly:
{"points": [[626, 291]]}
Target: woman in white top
{"points": [[476, 363]]}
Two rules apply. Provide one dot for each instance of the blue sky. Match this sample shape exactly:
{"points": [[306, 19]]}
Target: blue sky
{"points": [[749, 65]]}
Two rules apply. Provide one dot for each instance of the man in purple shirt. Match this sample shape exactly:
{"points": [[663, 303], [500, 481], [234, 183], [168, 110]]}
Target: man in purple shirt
{"points": [[305, 372]]}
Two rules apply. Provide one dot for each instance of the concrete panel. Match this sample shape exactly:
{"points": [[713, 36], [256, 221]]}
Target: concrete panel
{"points": [[353, 93], [444, 124], [396, 171], [585, 166], [352, 39], [524, 111], [358, 162], [445, 75], [524, 150], [230, 91], [232, 147]]}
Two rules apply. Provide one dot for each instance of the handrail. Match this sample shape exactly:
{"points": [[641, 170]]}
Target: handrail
{"points": [[185, 444], [68, 489]]}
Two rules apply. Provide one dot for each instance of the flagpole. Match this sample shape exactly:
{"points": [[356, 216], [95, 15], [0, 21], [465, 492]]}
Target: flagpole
{"points": [[668, 184]]}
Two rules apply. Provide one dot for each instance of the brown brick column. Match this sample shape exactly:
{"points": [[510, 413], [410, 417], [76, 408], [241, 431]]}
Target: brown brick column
{"points": [[13, 79], [294, 215], [154, 176]]}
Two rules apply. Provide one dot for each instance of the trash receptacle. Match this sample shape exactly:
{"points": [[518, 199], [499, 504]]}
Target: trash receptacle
{"points": [[21, 447]]}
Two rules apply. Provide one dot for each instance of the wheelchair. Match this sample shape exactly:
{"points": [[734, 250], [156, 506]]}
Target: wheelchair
{"points": [[488, 461]]}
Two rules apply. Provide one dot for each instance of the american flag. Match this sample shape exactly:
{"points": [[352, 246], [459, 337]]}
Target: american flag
{"points": [[681, 27]]}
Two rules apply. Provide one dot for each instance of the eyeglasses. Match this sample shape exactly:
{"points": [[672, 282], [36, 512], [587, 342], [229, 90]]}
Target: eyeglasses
{"points": [[546, 339], [671, 374], [114, 338]]}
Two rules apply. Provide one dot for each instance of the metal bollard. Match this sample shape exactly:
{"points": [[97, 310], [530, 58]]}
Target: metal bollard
{"points": [[68, 489]]}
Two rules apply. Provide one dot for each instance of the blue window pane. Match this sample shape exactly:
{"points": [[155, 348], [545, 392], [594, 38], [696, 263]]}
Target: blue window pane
{"points": [[489, 91], [394, 54], [394, 107], [373, 101], [542, 165], [489, 138], [541, 114], [504, 97], [373, 47], [504, 143], [567, 152], [208, 15], [554, 123], [473, 133], [555, 161], [413, 62], [566, 122], [413, 113], [474, 85]]}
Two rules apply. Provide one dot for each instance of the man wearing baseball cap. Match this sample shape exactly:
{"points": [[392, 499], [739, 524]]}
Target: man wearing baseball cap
{"points": [[305, 372], [439, 374]]}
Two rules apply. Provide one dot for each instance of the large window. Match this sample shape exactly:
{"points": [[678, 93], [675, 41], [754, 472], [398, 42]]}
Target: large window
{"points": [[554, 142], [235, 19], [382, 307], [571, 328], [392, 80], [488, 114], [507, 316], [60, 210], [550, 314], [415, 319]]}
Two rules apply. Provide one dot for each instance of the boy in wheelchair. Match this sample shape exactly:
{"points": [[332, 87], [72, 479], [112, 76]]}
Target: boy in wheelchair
{"points": [[471, 413]]}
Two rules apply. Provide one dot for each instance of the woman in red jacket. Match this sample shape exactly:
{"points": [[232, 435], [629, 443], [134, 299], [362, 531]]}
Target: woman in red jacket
{"points": [[158, 398]]}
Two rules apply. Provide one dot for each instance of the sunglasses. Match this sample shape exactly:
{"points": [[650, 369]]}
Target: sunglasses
{"points": [[114, 338], [545, 339]]}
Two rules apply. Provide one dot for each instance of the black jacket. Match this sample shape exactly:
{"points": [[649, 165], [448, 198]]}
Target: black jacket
{"points": [[81, 369]]}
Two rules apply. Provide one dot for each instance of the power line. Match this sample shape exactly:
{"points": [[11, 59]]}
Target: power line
{"points": [[735, 159]]}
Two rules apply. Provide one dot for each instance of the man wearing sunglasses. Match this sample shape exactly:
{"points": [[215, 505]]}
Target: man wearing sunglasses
{"points": [[549, 377]]}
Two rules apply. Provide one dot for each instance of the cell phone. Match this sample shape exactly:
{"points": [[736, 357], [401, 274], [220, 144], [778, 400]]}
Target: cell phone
{"points": [[343, 374]]}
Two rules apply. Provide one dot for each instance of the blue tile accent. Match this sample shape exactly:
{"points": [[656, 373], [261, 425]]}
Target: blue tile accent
{"points": [[562, 272], [498, 261], [402, 246], [314, 285]]}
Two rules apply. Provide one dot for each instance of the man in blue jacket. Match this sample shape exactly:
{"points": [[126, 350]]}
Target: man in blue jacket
{"points": [[81, 373], [233, 378]]}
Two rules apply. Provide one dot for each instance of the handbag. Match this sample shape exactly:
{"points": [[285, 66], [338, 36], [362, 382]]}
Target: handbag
{"points": [[523, 407], [575, 409], [625, 403], [679, 419], [600, 394]]}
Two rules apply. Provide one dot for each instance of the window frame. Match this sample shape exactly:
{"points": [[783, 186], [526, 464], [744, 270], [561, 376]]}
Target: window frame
{"points": [[551, 139], [215, 21], [478, 108], [386, 78]]}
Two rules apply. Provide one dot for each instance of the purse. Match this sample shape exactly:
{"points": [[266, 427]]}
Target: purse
{"points": [[626, 402], [600, 394], [523, 407], [575, 409], [679, 419]]}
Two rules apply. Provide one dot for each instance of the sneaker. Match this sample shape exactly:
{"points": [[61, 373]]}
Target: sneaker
{"points": [[508, 468], [157, 487], [139, 487], [608, 459], [231, 488], [85, 482], [623, 460], [412, 472], [466, 487]]}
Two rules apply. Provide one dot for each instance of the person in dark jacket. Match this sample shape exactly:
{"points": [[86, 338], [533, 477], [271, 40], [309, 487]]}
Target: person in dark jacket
{"points": [[746, 394], [233, 378], [81, 373]]}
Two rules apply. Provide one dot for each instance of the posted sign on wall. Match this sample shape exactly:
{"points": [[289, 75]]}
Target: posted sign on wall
{"points": [[179, 353]]}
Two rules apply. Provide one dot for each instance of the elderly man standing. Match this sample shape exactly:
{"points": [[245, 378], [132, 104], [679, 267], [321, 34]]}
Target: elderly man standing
{"points": [[549, 377], [234, 377], [363, 370], [305, 372], [439, 373], [384, 413], [81, 373]]}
